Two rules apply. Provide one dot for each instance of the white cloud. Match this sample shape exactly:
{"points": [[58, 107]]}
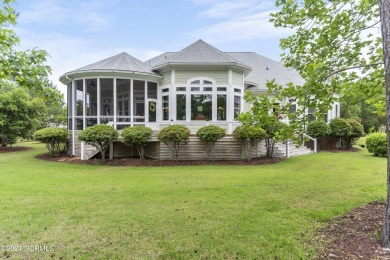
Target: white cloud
{"points": [[226, 9], [242, 29], [91, 16]]}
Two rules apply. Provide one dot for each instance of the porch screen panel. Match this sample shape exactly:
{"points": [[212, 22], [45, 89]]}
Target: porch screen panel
{"points": [[221, 107], [79, 97], [70, 106], [201, 107], [139, 100], [107, 97], [181, 107], [123, 99], [91, 101]]}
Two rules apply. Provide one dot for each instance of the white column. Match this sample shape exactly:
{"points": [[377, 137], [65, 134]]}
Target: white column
{"points": [[131, 101], [99, 100], [73, 117], [84, 104], [188, 106], [230, 77], [146, 103], [173, 77], [214, 105], [115, 101]]}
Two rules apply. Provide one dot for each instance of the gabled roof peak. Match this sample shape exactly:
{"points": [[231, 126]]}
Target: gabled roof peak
{"points": [[199, 52]]}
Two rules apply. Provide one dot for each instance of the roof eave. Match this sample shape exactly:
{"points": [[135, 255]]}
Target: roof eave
{"points": [[65, 77]]}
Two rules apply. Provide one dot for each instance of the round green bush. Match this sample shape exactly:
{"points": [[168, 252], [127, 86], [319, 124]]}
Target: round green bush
{"points": [[357, 128], [137, 136], [210, 134], [274, 127], [340, 127], [249, 132], [100, 136], [376, 144], [54, 138], [174, 136], [318, 128]]}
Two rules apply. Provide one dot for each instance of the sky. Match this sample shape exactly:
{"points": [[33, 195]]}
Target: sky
{"points": [[76, 33]]}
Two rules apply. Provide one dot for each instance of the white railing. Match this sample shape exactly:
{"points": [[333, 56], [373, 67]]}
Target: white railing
{"points": [[313, 139]]}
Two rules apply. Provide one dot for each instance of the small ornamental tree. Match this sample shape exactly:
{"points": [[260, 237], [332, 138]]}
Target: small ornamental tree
{"points": [[137, 136], [100, 136], [55, 139], [340, 128], [174, 136], [210, 135], [376, 144], [276, 131], [249, 135], [356, 132]]}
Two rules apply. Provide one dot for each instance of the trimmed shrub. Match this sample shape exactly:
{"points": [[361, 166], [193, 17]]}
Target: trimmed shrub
{"points": [[210, 135], [340, 128], [56, 139], [100, 136], [249, 135], [137, 136], [376, 144], [318, 128], [174, 136], [357, 131]]}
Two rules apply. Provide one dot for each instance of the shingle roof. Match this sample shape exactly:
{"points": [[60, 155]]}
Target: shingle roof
{"points": [[199, 52], [120, 62], [264, 69]]}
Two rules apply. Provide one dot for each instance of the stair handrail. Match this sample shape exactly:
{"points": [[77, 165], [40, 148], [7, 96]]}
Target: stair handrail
{"points": [[313, 139]]}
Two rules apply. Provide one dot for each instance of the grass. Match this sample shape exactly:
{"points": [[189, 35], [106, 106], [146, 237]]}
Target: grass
{"points": [[263, 212]]}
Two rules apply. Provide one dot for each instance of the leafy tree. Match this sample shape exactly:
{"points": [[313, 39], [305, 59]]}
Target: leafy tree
{"points": [[55, 139], [26, 68], [333, 44], [100, 136], [19, 113], [210, 135], [340, 128], [174, 136], [249, 135], [137, 136]]}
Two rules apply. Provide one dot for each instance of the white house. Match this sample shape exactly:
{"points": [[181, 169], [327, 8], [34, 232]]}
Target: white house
{"points": [[196, 86]]}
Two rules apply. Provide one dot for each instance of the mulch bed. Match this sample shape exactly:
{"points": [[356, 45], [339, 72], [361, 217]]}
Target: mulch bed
{"points": [[355, 235], [150, 162], [11, 149]]}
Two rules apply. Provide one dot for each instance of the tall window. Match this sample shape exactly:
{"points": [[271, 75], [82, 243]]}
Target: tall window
{"points": [[293, 105], [91, 102], [123, 99], [221, 107], [79, 98], [70, 107], [165, 107], [201, 107], [139, 100], [237, 106], [181, 107]]}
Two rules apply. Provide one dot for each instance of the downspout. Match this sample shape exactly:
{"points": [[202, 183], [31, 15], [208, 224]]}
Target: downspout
{"points": [[73, 131]]}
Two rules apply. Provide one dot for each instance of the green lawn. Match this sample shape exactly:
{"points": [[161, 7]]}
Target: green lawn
{"points": [[259, 212]]}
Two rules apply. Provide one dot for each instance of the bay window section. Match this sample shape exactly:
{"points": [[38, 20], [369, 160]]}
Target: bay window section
{"points": [[237, 106], [181, 107], [91, 102], [201, 107], [221, 107], [165, 107], [123, 100]]}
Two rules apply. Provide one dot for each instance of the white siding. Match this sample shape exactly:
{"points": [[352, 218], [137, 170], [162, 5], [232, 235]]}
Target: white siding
{"points": [[237, 79], [167, 78]]}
